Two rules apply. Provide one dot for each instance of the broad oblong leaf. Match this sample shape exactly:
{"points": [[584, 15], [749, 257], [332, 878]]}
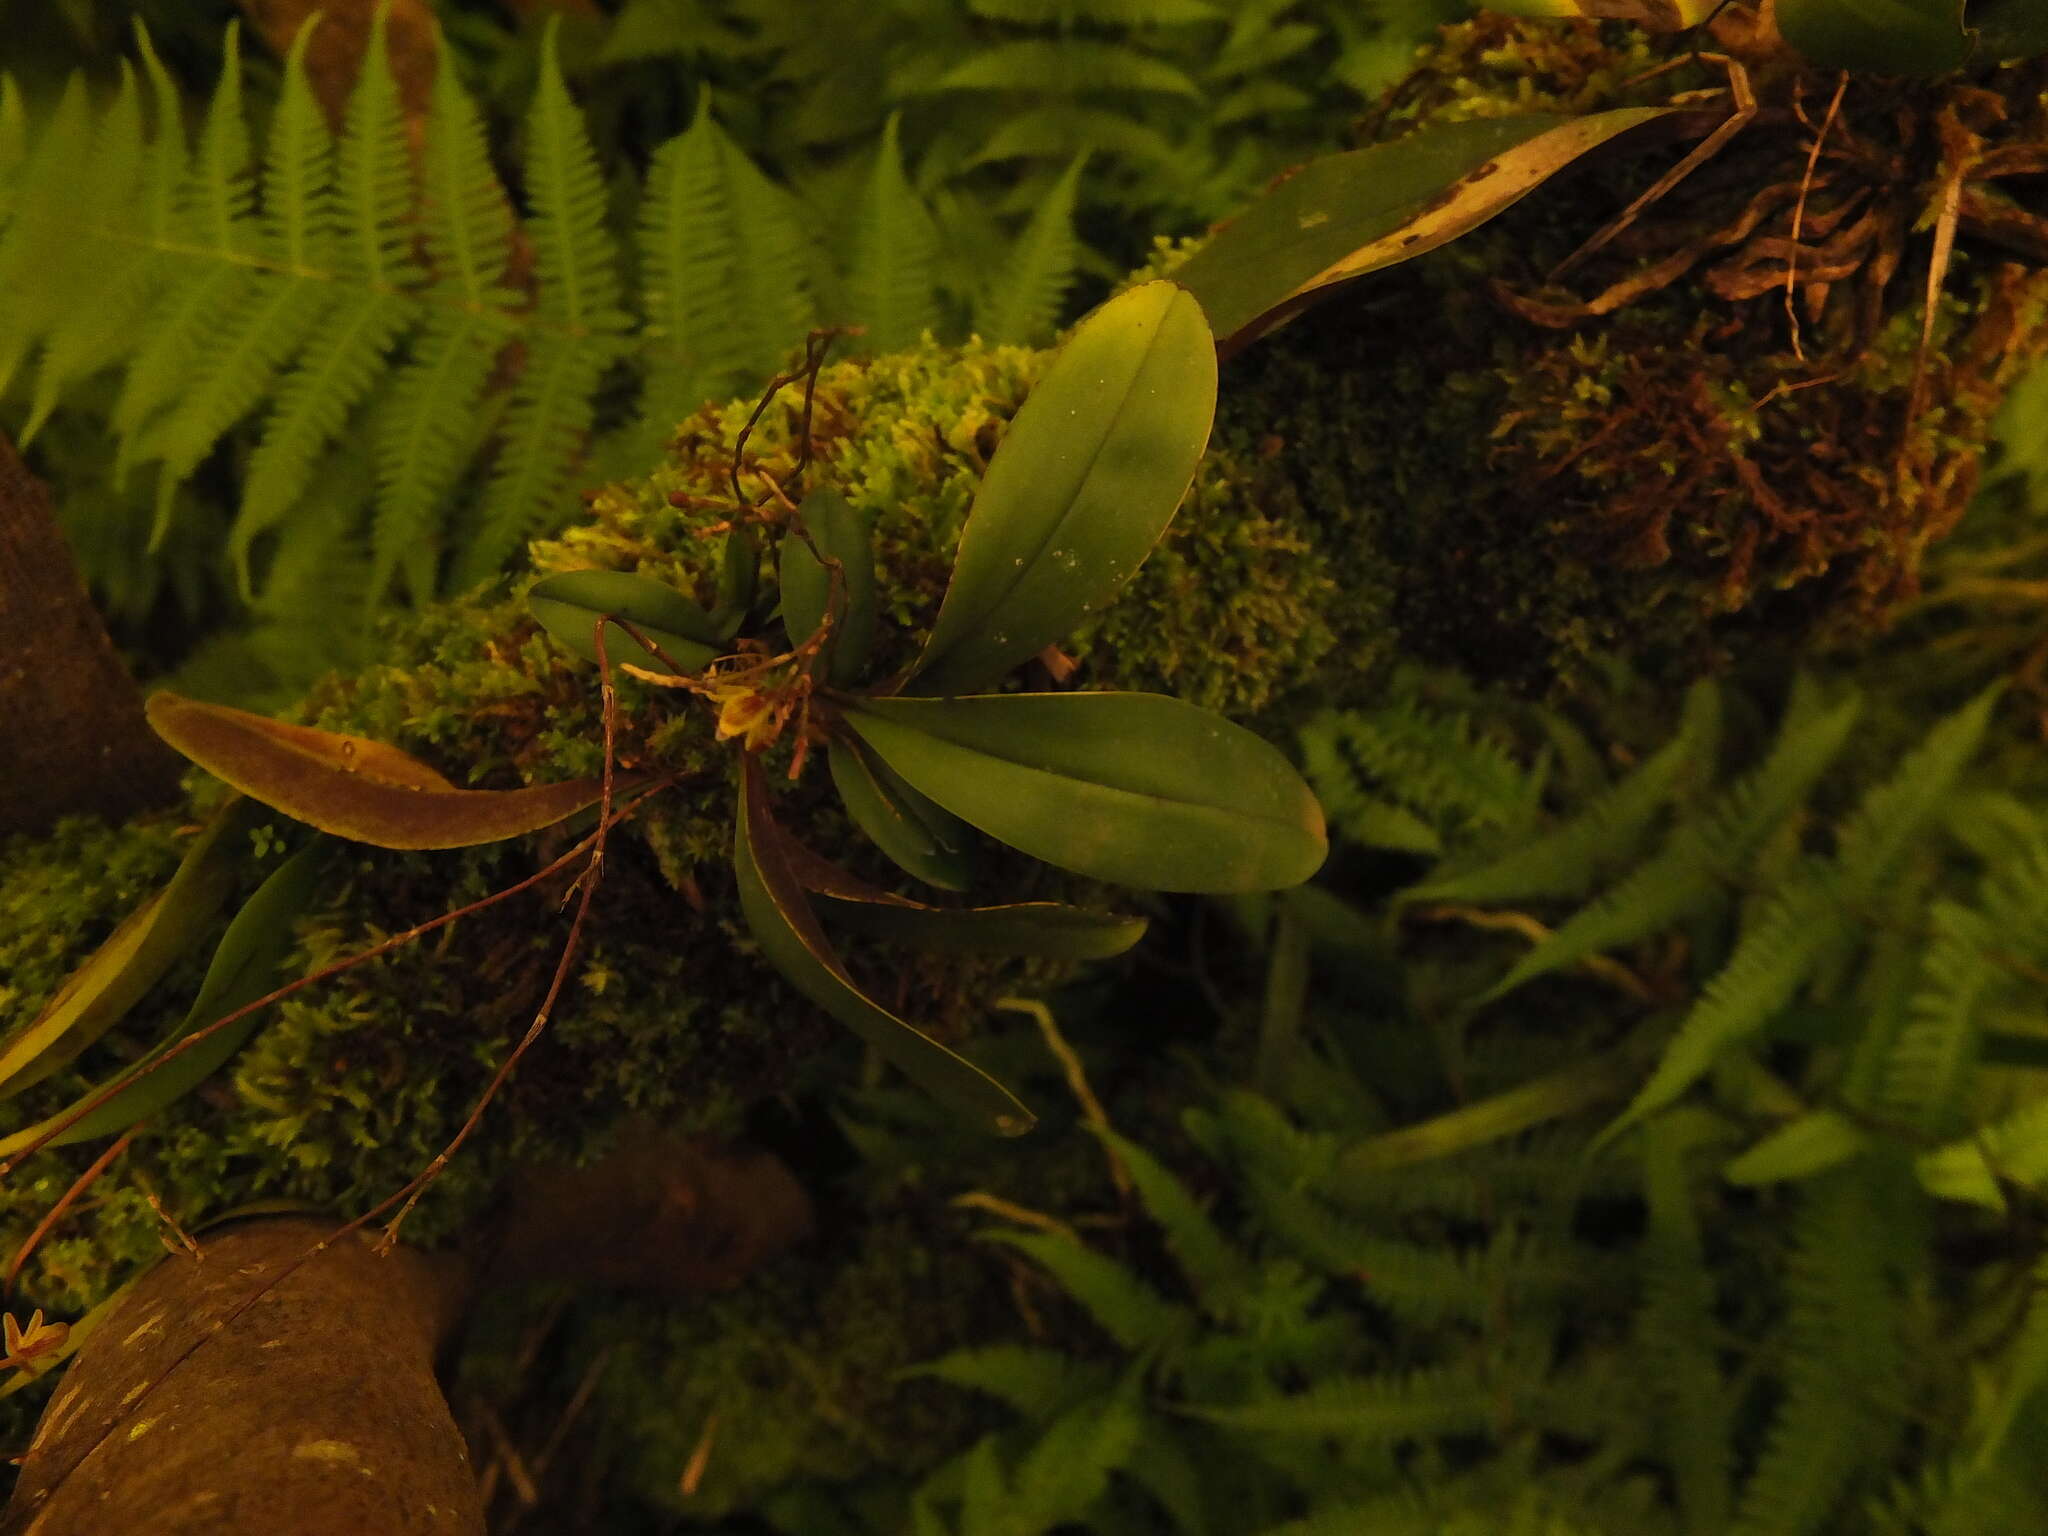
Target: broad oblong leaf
{"points": [[780, 917], [133, 958], [1046, 928], [1041, 928], [353, 787], [568, 607], [1882, 37], [1084, 483], [922, 839], [840, 533], [1136, 788], [1345, 215], [243, 969]]}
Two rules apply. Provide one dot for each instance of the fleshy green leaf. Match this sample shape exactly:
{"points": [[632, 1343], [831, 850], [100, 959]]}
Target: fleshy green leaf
{"points": [[843, 534], [780, 917], [133, 958], [1883, 37], [1086, 480], [920, 837], [244, 967], [739, 574], [351, 786], [568, 606], [1345, 215], [1021, 928], [1136, 788], [1044, 928]]}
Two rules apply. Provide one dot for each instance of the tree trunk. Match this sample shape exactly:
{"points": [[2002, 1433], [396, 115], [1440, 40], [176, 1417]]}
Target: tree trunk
{"points": [[315, 1412], [72, 734]]}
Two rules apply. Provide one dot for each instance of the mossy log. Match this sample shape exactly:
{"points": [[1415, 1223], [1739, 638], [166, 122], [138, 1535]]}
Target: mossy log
{"points": [[256, 1389]]}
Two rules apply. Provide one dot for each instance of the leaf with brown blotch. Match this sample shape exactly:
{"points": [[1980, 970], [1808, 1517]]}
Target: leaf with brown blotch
{"points": [[353, 787], [1344, 215]]}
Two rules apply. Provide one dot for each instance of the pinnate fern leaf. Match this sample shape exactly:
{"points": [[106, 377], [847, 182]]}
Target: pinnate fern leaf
{"points": [[1022, 305], [576, 334], [891, 287]]}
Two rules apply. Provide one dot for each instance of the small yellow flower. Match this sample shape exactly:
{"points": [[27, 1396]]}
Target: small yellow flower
{"points": [[742, 712]]}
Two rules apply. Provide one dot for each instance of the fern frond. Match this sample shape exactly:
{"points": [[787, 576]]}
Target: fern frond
{"points": [[428, 423], [575, 336], [1022, 305], [347, 351], [1161, 1463], [546, 422], [1891, 816], [1068, 1470], [32, 241], [1037, 1383], [891, 285], [1408, 776], [723, 260], [1775, 954], [1216, 1271], [1705, 852], [1566, 861], [2013, 1149], [1368, 1409], [1842, 1363], [2023, 1373], [96, 334], [1068, 131], [1067, 67], [205, 284], [1930, 1063], [425, 432], [1675, 1326], [1129, 1310]]}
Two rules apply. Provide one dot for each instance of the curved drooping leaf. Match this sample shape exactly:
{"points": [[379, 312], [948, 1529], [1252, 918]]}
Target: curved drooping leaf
{"points": [[1084, 483], [353, 787], [568, 607], [921, 838], [780, 917], [1042, 928], [843, 534], [134, 956], [1883, 37], [1136, 788], [739, 571], [243, 968], [1345, 215], [1046, 928]]}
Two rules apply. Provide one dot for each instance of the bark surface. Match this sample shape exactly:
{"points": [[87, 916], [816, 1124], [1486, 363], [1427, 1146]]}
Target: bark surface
{"points": [[315, 1412], [72, 734]]}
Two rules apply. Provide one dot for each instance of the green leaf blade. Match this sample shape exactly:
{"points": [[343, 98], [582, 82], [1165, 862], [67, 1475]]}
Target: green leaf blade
{"points": [[568, 607], [1134, 788], [779, 915], [1085, 482], [844, 534], [921, 838], [1345, 215]]}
